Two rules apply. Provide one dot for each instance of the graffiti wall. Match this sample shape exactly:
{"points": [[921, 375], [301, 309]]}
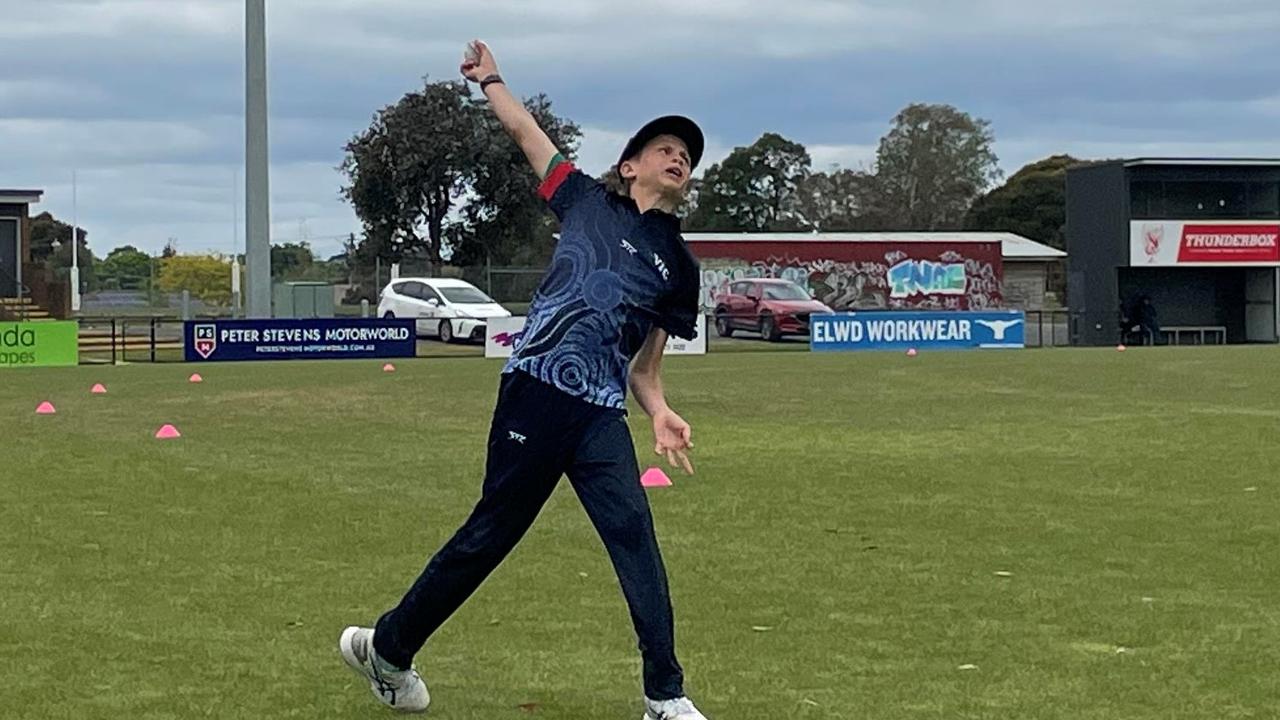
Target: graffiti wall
{"points": [[862, 275]]}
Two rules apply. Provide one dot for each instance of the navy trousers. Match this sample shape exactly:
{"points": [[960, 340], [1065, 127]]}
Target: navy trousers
{"points": [[538, 434]]}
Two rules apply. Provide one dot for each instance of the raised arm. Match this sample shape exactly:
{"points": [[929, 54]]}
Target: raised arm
{"points": [[480, 67]]}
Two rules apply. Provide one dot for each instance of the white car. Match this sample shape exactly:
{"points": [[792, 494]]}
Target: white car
{"points": [[444, 308]]}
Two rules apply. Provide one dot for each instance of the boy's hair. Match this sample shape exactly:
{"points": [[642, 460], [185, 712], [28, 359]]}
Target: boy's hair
{"points": [[615, 183]]}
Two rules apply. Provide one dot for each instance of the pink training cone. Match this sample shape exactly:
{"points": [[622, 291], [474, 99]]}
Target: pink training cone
{"points": [[99, 389], [1121, 348], [654, 477], [168, 432], [388, 368], [195, 378], [45, 408], [912, 352]]}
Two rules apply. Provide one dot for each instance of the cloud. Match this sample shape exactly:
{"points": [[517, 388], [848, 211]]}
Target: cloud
{"points": [[107, 143], [144, 97]]}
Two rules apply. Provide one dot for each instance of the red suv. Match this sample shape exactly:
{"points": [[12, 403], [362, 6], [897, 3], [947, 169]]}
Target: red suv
{"points": [[771, 307]]}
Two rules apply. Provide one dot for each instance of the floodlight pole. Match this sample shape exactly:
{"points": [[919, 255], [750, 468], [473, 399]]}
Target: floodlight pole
{"points": [[257, 183]]}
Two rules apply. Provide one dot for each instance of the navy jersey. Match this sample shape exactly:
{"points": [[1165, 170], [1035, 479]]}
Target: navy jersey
{"points": [[615, 274]]}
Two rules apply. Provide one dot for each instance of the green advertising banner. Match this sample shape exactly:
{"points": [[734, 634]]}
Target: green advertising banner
{"points": [[39, 344]]}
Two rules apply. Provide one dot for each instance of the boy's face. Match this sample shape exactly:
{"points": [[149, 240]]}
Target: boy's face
{"points": [[663, 166]]}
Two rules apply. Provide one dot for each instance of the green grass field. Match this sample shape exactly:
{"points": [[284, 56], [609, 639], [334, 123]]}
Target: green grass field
{"points": [[835, 557]]}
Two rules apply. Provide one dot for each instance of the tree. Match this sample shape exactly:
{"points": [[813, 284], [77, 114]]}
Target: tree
{"points": [[755, 189], [46, 231], [126, 268], [436, 176], [291, 261], [932, 164], [362, 261], [505, 221], [407, 172], [1033, 203], [836, 201], [207, 277], [61, 263]]}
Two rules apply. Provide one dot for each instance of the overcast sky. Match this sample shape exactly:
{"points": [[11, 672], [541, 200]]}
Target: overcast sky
{"points": [[145, 97]]}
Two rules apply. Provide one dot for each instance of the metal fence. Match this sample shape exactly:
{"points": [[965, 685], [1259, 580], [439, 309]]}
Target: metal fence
{"points": [[1048, 328], [116, 340], [131, 319], [16, 308], [507, 285], [158, 339], [142, 296]]}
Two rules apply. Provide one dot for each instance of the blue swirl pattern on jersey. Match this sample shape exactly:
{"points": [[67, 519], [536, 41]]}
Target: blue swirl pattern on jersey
{"points": [[615, 274]]}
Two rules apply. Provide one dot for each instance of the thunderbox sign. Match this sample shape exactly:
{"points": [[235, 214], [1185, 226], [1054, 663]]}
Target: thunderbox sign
{"points": [[205, 340], [1220, 243]]}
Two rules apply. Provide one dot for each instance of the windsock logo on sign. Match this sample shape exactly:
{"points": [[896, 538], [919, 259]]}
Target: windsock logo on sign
{"points": [[1154, 235], [508, 339], [1230, 244]]}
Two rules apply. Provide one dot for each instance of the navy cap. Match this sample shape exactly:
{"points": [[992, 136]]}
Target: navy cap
{"points": [[677, 125]]}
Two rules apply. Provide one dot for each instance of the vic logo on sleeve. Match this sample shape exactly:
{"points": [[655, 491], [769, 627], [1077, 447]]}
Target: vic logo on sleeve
{"points": [[662, 266]]}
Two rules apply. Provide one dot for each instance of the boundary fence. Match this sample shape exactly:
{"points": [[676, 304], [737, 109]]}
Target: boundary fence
{"points": [[159, 339]]}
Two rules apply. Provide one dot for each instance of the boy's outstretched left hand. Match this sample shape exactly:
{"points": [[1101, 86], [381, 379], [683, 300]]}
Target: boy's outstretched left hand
{"points": [[672, 439]]}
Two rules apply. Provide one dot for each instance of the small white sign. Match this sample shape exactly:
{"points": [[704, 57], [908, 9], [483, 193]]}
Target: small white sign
{"points": [[502, 335], [696, 346]]}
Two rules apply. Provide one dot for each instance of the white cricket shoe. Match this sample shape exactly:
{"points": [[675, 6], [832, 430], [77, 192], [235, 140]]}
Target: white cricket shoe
{"points": [[679, 709], [402, 690]]}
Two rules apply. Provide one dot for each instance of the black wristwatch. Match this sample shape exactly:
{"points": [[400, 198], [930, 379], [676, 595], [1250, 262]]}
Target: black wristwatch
{"points": [[491, 79]]}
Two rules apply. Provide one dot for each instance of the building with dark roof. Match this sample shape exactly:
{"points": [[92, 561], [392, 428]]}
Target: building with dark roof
{"points": [[1198, 238]]}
